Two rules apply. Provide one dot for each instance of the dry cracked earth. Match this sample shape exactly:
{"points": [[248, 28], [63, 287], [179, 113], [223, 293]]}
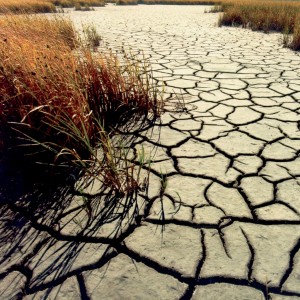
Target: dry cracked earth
{"points": [[220, 217]]}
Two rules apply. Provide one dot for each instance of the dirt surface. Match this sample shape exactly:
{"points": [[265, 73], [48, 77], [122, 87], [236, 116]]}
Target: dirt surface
{"points": [[225, 169]]}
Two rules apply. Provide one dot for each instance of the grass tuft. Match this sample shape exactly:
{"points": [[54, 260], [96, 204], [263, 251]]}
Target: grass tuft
{"points": [[86, 7], [295, 42], [264, 16], [45, 6], [83, 4], [26, 6], [60, 106], [91, 36], [168, 2]]}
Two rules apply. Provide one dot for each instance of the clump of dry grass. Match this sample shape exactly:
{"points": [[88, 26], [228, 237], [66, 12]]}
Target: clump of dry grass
{"points": [[295, 41], [39, 31], [78, 3], [91, 36], [26, 6], [168, 2], [79, 7], [61, 104], [266, 16], [45, 6], [127, 2], [182, 2]]}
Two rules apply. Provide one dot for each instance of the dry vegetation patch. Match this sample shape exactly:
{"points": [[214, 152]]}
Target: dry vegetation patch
{"points": [[78, 3], [26, 6], [168, 2], [45, 6], [265, 16], [60, 102]]}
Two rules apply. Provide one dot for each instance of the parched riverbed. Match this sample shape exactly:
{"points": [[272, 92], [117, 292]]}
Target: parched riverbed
{"points": [[227, 150]]}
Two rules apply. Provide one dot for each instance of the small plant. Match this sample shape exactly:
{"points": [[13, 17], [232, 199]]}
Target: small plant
{"points": [[180, 105], [295, 41], [91, 36], [79, 4], [163, 183], [216, 9], [78, 7], [286, 38], [127, 2]]}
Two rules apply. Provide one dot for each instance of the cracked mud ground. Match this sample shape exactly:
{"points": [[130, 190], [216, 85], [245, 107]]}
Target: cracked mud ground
{"points": [[227, 155]]}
